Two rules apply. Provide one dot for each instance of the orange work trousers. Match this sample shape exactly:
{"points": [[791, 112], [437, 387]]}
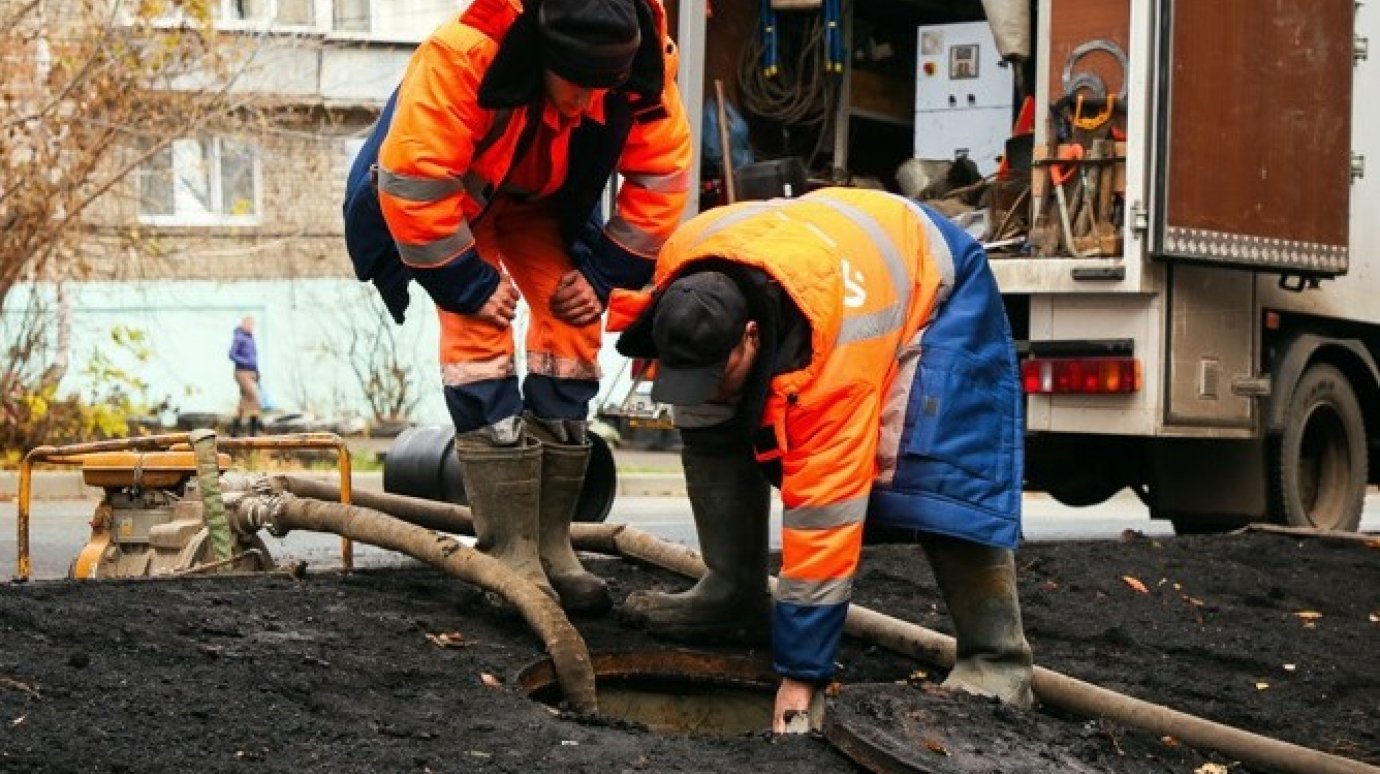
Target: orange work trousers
{"points": [[524, 240]]}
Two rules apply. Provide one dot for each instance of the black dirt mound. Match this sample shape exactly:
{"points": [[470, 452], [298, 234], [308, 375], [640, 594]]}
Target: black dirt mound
{"points": [[337, 672]]}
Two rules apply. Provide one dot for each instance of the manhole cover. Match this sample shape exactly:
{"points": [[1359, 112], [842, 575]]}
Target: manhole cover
{"points": [[907, 728]]}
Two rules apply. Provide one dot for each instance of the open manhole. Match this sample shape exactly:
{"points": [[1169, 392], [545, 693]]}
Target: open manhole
{"points": [[672, 691]]}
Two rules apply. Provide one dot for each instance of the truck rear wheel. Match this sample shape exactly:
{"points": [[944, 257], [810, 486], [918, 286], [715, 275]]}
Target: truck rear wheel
{"points": [[1319, 463]]}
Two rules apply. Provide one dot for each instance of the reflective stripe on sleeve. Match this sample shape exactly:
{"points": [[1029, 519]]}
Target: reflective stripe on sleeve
{"points": [[417, 189], [632, 238], [439, 252], [673, 182]]}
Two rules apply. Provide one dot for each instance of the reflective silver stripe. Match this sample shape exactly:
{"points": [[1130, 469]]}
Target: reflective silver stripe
{"points": [[417, 189], [814, 593], [942, 255], [882, 322], [632, 237], [894, 412], [460, 374], [673, 182], [548, 364], [440, 252], [826, 516], [733, 218], [896, 264], [477, 187], [871, 325]]}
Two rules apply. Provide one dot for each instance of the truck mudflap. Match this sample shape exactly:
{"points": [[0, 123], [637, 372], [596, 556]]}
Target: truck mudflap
{"points": [[1254, 108]]}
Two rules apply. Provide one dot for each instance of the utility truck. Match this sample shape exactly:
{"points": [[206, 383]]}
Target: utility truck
{"points": [[1216, 349]]}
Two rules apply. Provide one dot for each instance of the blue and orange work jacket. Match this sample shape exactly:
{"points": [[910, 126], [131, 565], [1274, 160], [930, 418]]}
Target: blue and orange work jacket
{"points": [[908, 414], [432, 182]]}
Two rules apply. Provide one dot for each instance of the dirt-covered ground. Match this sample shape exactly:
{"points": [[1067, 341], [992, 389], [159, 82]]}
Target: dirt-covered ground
{"points": [[332, 672]]}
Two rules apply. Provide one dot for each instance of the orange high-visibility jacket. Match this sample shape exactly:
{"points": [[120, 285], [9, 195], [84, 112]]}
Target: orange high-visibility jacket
{"points": [[432, 184], [907, 414]]}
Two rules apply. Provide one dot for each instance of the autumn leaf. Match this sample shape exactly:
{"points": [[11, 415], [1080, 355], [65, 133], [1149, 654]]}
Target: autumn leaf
{"points": [[1211, 768], [936, 747], [447, 640], [490, 680], [1169, 741], [1135, 583]]}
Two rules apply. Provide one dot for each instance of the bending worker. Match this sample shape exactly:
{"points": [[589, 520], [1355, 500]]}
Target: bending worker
{"points": [[850, 347], [491, 159]]}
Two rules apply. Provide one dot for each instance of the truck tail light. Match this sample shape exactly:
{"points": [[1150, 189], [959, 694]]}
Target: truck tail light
{"points": [[1081, 375]]}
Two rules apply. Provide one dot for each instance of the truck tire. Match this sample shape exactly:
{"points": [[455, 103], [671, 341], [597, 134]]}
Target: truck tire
{"points": [[1319, 464]]}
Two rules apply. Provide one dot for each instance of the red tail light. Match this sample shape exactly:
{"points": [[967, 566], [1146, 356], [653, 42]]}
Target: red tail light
{"points": [[1081, 375]]}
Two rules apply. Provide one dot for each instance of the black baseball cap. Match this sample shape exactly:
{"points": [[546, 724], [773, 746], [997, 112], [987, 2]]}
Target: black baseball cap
{"points": [[691, 330]]}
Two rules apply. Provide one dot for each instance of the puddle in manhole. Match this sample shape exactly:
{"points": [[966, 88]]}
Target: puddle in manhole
{"points": [[672, 691]]}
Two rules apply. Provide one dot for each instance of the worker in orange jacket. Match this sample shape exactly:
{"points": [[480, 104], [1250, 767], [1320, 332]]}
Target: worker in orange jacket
{"points": [[851, 346], [491, 160]]}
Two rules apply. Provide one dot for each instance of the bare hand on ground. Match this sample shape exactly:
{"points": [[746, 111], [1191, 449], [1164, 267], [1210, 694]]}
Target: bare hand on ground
{"points": [[501, 307], [575, 301], [792, 697]]}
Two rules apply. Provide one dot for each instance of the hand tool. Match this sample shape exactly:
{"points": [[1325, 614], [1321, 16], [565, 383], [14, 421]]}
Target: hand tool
{"points": [[1058, 175]]}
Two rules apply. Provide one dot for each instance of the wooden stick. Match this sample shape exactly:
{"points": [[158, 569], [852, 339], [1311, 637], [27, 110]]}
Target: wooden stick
{"points": [[1310, 532], [726, 153]]}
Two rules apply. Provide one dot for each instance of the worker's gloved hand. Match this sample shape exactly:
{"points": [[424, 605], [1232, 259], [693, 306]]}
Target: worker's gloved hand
{"points": [[462, 285], [792, 713], [575, 302]]}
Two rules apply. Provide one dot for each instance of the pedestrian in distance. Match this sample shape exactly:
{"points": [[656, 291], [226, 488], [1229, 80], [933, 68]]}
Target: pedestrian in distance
{"points": [[851, 348], [482, 182], [245, 355]]}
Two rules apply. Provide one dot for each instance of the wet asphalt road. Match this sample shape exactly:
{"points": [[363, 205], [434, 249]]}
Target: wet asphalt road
{"points": [[59, 529]]}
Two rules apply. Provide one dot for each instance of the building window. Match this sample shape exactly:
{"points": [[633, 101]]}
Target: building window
{"points": [[352, 16], [205, 181], [288, 13]]}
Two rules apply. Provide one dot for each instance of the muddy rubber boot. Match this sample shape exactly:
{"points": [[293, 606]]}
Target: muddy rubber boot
{"points": [[255, 427], [731, 602], [565, 455], [979, 587], [503, 485], [236, 427]]}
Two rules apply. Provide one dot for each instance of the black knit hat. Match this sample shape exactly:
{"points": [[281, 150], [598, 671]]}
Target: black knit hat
{"points": [[590, 43]]}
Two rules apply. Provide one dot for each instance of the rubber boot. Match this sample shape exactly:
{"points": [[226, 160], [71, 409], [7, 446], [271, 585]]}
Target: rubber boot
{"points": [[254, 426], [236, 427], [979, 586], [563, 463], [503, 485], [731, 602]]}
